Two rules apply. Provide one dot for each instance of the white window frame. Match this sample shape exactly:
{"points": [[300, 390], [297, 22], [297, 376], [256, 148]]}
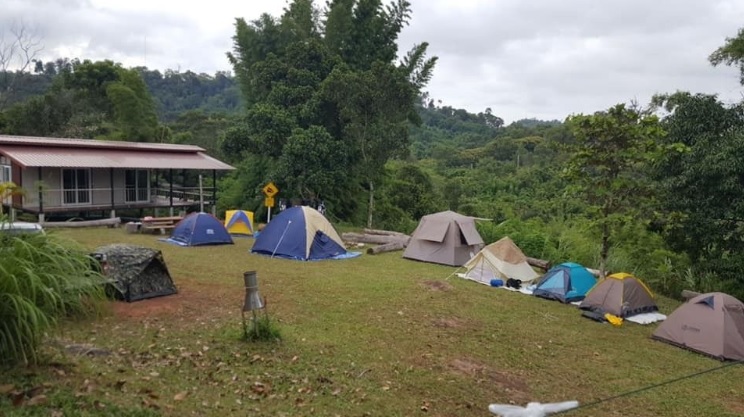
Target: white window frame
{"points": [[137, 187], [77, 190]]}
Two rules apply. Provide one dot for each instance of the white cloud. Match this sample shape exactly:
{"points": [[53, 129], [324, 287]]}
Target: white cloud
{"points": [[544, 59]]}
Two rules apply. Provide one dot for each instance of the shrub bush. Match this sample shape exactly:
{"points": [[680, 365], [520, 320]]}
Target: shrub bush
{"points": [[42, 279]]}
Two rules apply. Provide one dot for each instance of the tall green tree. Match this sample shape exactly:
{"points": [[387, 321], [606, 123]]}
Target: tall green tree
{"points": [[327, 80], [607, 167], [702, 193]]}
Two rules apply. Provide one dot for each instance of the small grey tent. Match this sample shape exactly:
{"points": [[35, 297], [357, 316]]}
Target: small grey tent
{"points": [[446, 238], [134, 272], [711, 324]]}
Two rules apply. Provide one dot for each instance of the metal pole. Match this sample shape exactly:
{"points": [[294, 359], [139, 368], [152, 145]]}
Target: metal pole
{"points": [[268, 218], [201, 195], [170, 183], [41, 197], [214, 192], [111, 182]]}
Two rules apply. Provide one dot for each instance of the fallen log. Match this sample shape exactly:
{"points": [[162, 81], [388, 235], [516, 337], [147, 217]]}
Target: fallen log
{"points": [[388, 247], [85, 223], [545, 265], [376, 239], [539, 263], [383, 232], [687, 295]]}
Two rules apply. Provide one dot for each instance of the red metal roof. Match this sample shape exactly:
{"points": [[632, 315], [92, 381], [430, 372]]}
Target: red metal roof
{"points": [[95, 144], [84, 153]]}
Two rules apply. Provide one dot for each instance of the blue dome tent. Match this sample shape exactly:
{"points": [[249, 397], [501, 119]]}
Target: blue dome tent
{"points": [[199, 229], [567, 282], [300, 233]]}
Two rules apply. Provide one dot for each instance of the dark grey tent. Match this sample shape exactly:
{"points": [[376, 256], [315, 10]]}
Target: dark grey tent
{"points": [[135, 272]]}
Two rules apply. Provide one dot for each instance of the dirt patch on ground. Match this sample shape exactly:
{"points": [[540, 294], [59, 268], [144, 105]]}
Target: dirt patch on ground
{"points": [[437, 285], [448, 323], [516, 388], [192, 300]]}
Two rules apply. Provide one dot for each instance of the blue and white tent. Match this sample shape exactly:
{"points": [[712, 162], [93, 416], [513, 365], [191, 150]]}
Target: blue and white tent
{"points": [[567, 282], [300, 233], [198, 229]]}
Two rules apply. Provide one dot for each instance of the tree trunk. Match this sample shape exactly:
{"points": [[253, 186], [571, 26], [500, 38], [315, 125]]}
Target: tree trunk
{"points": [[383, 232], [371, 208], [388, 247], [375, 239], [539, 263], [86, 223], [605, 251]]}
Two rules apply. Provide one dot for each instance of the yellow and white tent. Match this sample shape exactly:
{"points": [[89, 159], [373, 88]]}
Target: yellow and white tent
{"points": [[239, 222], [500, 260]]}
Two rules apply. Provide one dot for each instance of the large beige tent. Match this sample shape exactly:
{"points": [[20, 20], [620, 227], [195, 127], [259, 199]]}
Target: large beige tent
{"points": [[446, 238], [712, 324], [500, 260]]}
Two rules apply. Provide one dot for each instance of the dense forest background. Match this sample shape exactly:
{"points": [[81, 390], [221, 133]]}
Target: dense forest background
{"points": [[655, 189]]}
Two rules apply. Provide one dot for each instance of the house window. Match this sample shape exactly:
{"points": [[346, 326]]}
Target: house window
{"points": [[5, 174], [76, 186], [137, 182]]}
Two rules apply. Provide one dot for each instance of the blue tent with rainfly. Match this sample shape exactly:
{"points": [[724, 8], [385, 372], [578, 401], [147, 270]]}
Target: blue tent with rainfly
{"points": [[199, 229], [567, 282], [300, 233]]}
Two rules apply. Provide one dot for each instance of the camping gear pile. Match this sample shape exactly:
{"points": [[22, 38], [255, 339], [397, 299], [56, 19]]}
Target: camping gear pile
{"points": [[134, 272]]}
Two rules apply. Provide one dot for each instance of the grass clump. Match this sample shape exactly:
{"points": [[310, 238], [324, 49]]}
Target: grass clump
{"points": [[260, 328], [42, 279]]}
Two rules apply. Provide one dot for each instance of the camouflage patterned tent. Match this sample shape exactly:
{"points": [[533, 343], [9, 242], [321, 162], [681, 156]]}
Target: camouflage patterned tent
{"points": [[135, 272]]}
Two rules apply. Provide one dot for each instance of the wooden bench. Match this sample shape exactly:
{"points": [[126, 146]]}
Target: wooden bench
{"points": [[159, 223]]}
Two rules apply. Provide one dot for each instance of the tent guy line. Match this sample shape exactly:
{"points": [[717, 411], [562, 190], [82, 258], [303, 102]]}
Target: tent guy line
{"points": [[650, 387]]}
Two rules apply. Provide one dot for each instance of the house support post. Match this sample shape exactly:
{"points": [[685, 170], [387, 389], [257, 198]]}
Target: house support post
{"points": [[201, 194], [214, 192], [170, 191], [113, 200], [41, 195]]}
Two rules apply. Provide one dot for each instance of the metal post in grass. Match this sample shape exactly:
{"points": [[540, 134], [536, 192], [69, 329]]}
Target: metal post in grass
{"points": [[253, 301]]}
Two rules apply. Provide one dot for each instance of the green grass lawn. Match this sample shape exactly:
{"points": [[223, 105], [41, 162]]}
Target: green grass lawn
{"points": [[375, 335]]}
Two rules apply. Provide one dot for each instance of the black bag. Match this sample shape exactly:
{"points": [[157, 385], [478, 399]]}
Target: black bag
{"points": [[514, 283]]}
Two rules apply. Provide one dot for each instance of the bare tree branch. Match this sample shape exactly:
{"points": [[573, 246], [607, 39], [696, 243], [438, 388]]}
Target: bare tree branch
{"points": [[19, 47]]}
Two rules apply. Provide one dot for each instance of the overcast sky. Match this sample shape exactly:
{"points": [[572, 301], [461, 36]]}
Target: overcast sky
{"points": [[523, 59]]}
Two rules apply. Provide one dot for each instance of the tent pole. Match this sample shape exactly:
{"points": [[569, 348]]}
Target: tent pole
{"points": [[281, 238]]}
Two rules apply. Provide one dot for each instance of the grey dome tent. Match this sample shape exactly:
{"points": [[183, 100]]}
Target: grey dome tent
{"points": [[711, 324], [134, 272], [446, 238]]}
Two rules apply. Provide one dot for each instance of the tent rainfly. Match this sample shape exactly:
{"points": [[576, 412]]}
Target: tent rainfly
{"points": [[500, 260], [134, 272], [300, 233], [446, 238], [239, 222], [711, 324], [621, 295]]}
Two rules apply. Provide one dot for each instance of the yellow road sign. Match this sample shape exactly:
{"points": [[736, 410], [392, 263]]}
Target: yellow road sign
{"points": [[269, 201], [270, 190]]}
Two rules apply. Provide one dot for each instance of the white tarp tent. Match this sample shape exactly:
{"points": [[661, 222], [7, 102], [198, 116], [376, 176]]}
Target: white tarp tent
{"points": [[499, 260]]}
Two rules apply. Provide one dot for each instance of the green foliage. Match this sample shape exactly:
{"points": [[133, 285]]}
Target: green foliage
{"points": [[695, 183], [261, 329], [612, 150], [326, 102], [731, 53], [90, 100], [42, 279]]}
